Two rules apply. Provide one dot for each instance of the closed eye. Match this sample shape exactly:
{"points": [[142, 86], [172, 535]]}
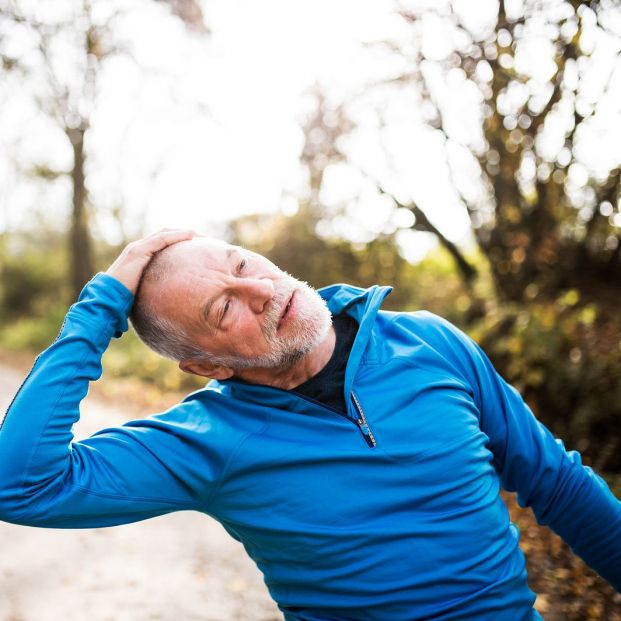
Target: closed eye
{"points": [[240, 268], [224, 311]]}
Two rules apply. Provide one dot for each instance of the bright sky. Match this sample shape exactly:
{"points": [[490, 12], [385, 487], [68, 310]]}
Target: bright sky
{"points": [[194, 131], [253, 75], [241, 152]]}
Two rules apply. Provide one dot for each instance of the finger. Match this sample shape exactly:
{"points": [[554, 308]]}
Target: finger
{"points": [[168, 229], [170, 232], [130, 264], [161, 239]]}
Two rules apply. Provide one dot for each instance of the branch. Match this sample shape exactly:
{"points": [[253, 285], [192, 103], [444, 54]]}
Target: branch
{"points": [[468, 271]]}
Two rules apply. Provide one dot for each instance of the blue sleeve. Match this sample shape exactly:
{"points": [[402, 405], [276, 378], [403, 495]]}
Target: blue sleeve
{"points": [[119, 475], [565, 495]]}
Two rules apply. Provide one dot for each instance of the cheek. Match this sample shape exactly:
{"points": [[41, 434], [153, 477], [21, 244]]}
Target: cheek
{"points": [[246, 332]]}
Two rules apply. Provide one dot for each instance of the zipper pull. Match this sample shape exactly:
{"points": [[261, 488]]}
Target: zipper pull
{"points": [[362, 424], [366, 432]]}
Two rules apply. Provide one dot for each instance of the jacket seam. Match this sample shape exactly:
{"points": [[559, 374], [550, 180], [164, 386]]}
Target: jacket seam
{"points": [[378, 362], [168, 501], [457, 376], [450, 339]]}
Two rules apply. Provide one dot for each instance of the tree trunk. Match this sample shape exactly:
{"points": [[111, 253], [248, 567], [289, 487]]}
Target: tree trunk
{"points": [[80, 252]]}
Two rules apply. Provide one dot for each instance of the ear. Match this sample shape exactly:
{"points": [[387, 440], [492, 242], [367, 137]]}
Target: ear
{"points": [[205, 369]]}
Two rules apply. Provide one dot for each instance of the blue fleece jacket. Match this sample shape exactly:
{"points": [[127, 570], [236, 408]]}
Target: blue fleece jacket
{"points": [[388, 513]]}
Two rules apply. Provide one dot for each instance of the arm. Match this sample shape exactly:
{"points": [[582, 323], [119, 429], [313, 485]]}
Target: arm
{"points": [[111, 478], [565, 495]]}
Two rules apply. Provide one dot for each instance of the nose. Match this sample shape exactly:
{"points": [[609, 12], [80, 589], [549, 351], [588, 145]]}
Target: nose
{"points": [[258, 291]]}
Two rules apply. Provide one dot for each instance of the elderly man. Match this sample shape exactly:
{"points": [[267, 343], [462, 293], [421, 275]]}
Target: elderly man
{"points": [[356, 453]]}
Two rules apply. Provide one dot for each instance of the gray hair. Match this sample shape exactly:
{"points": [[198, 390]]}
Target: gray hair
{"points": [[162, 335]]}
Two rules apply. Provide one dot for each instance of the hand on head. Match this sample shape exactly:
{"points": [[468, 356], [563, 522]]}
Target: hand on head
{"points": [[130, 264]]}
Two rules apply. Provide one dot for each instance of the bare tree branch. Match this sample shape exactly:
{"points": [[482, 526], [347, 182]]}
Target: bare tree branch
{"points": [[468, 271]]}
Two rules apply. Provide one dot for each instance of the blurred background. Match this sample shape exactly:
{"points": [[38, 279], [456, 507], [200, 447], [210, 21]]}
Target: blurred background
{"points": [[466, 152]]}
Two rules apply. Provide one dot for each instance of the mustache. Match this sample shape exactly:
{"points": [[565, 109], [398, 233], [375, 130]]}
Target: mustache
{"points": [[272, 315]]}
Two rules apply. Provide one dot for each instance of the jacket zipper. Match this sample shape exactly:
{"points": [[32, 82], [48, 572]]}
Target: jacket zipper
{"points": [[362, 423]]}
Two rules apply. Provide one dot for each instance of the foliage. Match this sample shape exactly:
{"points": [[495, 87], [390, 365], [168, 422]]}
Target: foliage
{"points": [[33, 281], [546, 207], [28, 286], [564, 355], [545, 212], [567, 590]]}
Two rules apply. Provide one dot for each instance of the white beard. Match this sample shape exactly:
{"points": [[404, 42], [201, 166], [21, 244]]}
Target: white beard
{"points": [[305, 331]]}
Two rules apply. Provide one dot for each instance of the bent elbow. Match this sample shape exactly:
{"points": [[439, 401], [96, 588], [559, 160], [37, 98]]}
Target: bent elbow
{"points": [[12, 509], [18, 506]]}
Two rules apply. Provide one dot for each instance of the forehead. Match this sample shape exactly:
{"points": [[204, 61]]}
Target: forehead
{"points": [[188, 272], [213, 252], [200, 262]]}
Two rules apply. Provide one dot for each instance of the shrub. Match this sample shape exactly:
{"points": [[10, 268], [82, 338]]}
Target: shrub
{"points": [[565, 358]]}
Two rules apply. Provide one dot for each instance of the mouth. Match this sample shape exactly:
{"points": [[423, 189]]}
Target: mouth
{"points": [[286, 311]]}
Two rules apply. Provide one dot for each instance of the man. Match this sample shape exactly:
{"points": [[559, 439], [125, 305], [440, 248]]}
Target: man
{"points": [[357, 458]]}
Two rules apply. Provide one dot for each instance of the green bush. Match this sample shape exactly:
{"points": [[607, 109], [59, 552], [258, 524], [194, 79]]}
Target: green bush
{"points": [[32, 333], [32, 276], [128, 357], [565, 358]]}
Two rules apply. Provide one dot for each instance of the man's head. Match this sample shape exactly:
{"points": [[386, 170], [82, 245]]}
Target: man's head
{"points": [[219, 309]]}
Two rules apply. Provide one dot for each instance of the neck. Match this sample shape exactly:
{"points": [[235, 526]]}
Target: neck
{"points": [[290, 377]]}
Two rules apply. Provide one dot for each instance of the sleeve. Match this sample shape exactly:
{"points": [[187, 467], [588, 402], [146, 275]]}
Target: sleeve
{"points": [[117, 476], [565, 495]]}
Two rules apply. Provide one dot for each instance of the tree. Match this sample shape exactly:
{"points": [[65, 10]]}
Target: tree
{"points": [[61, 63], [544, 216]]}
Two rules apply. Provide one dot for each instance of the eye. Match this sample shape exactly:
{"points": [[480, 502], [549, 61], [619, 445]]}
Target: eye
{"points": [[242, 265], [224, 311]]}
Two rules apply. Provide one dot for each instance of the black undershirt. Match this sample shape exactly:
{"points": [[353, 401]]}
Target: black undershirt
{"points": [[327, 385]]}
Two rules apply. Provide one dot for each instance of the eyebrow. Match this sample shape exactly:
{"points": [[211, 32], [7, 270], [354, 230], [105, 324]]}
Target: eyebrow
{"points": [[211, 301]]}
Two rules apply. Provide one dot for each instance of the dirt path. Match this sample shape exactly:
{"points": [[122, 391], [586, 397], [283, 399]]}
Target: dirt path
{"points": [[179, 567]]}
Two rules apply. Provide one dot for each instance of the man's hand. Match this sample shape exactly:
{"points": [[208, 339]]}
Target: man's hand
{"points": [[130, 264]]}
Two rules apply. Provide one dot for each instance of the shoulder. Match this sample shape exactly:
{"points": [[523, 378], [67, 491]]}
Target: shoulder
{"points": [[206, 416], [421, 323], [426, 332]]}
